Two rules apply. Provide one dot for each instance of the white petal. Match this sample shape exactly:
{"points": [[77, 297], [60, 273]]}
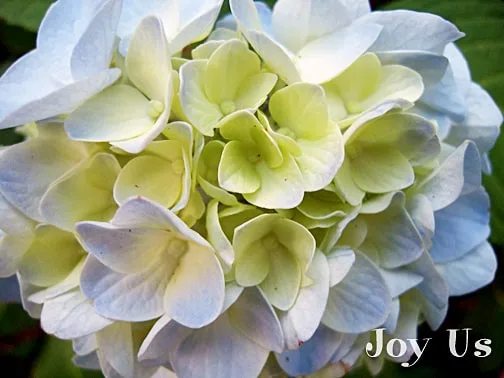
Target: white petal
{"points": [[409, 30], [459, 171], [115, 343], [483, 121], [461, 227], [217, 238], [161, 341], [194, 296], [119, 112], [84, 345], [71, 315], [246, 14], [327, 57], [303, 319], [27, 169], [27, 102], [198, 28], [133, 297], [89, 361], [400, 281], [93, 52], [219, 350], [252, 315], [340, 262], [148, 61], [275, 56], [392, 236], [312, 355], [361, 301], [446, 97], [471, 272], [433, 287], [391, 322], [126, 250], [430, 66], [143, 213]]}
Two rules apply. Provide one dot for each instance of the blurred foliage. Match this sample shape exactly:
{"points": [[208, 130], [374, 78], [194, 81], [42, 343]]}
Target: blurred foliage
{"points": [[26, 352], [24, 13]]}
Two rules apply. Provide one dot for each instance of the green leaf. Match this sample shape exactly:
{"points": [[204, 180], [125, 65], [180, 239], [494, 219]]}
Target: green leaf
{"points": [[55, 361], [24, 13], [483, 46]]}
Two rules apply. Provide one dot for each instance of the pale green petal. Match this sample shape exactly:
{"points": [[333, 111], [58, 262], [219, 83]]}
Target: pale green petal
{"points": [[194, 209], [275, 56], [239, 125], [28, 169], [236, 172], [226, 70], [268, 148], [283, 282], [320, 160], [70, 282], [396, 82], [301, 108], [357, 82], [233, 217], [414, 136], [246, 128], [252, 230], [148, 61], [118, 113], [217, 192], [253, 266], [159, 177], [280, 188], [286, 143], [203, 114], [297, 239], [254, 90], [85, 193], [337, 109], [51, 257], [381, 170], [322, 205], [205, 50], [150, 177], [346, 186], [208, 162]]}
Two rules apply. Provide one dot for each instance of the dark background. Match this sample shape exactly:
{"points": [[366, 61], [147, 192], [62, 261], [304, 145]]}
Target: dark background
{"points": [[26, 352]]}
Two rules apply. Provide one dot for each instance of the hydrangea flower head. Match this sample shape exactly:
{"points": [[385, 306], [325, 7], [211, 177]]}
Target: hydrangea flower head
{"points": [[246, 201]]}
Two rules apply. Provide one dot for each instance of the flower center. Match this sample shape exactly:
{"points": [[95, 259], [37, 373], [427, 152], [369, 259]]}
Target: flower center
{"points": [[178, 166], [253, 155], [178, 247], [287, 132], [354, 107], [227, 107], [155, 109], [270, 242]]}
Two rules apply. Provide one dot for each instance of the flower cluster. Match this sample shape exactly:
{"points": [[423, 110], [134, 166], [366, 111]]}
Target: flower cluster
{"points": [[246, 200]]}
